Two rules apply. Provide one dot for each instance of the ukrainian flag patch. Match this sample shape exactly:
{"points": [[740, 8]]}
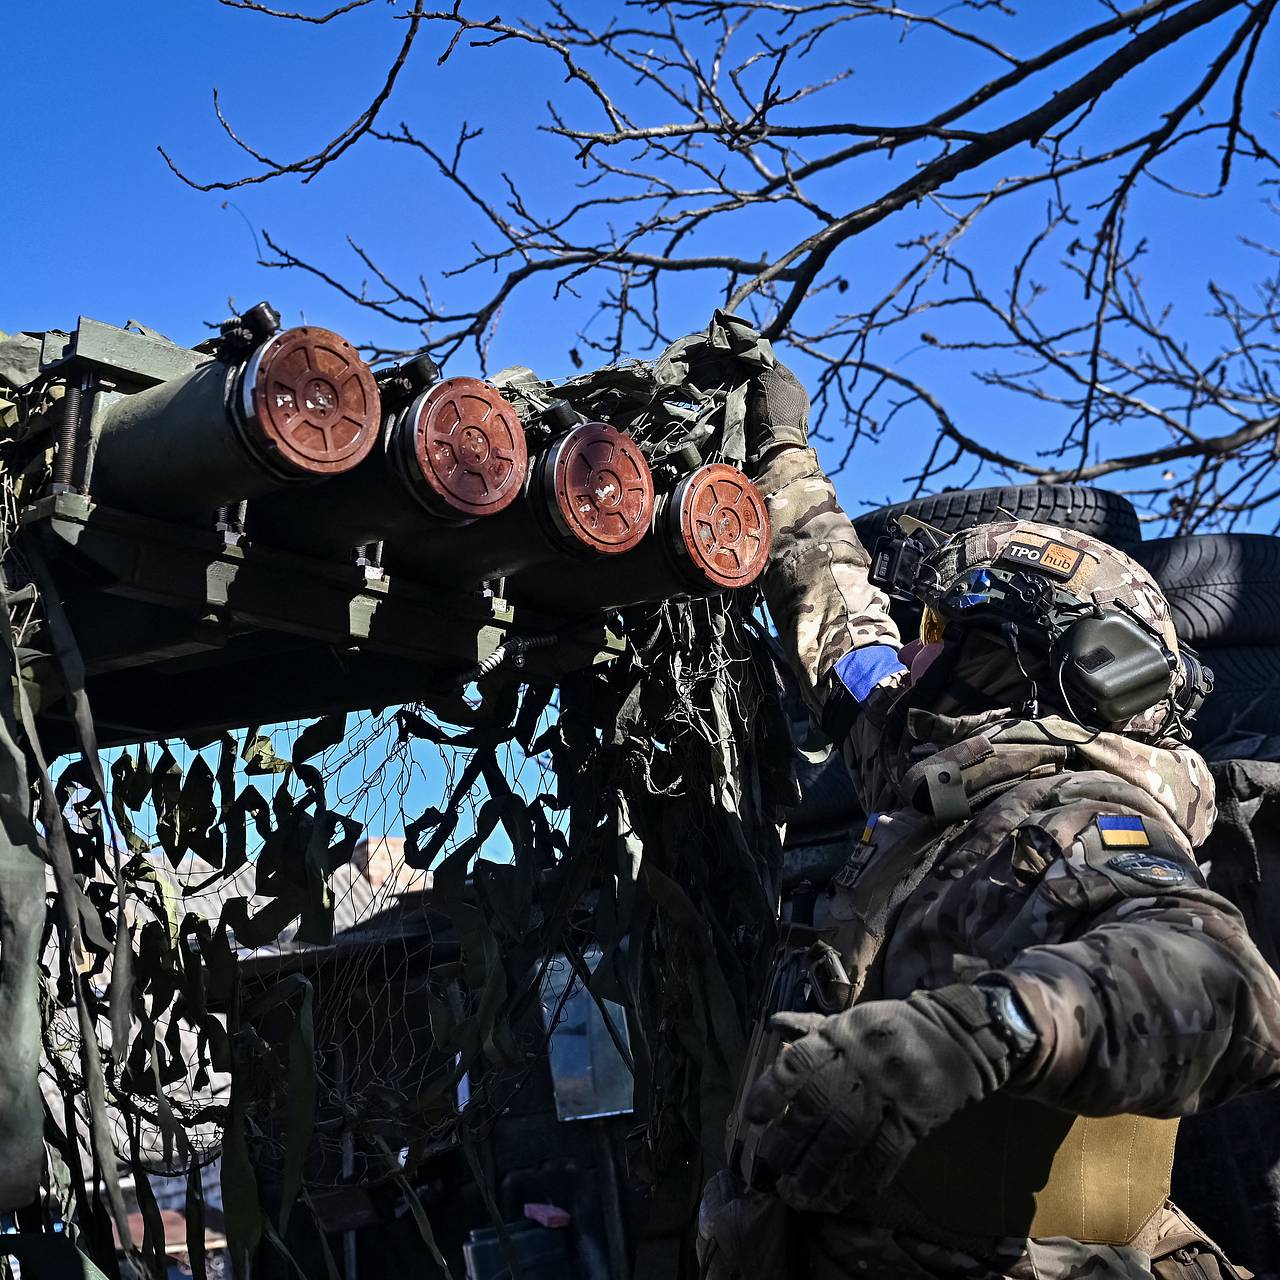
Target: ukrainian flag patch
{"points": [[1120, 832], [868, 832]]}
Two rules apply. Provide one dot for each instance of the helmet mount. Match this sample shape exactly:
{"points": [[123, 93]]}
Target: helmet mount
{"points": [[1037, 589]]}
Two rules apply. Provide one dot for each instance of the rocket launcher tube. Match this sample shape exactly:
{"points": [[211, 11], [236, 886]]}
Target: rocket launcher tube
{"points": [[301, 406], [588, 495], [454, 454], [710, 533]]}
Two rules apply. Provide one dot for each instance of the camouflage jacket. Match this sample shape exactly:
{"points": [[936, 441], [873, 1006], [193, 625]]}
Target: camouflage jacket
{"points": [[984, 852]]}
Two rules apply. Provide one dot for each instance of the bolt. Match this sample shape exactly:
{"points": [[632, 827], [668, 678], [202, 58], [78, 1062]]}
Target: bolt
{"points": [[67, 439]]}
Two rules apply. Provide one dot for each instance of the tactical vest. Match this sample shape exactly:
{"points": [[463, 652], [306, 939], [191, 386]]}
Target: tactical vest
{"points": [[1006, 1167]]}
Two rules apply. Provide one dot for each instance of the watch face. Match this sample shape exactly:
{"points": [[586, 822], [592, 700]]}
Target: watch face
{"points": [[1006, 1006]]}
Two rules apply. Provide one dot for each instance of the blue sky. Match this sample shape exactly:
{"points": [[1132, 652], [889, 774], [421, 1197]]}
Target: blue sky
{"points": [[95, 223]]}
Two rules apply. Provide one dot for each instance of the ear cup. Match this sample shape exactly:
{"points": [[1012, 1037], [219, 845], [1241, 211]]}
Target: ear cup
{"points": [[1114, 667]]}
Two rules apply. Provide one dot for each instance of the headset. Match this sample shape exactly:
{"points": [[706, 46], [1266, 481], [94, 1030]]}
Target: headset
{"points": [[1109, 664]]}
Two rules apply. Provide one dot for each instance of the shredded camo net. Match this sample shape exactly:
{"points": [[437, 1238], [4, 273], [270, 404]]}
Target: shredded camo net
{"points": [[289, 946]]}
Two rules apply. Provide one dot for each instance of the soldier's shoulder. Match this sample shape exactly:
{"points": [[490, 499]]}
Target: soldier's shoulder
{"points": [[1113, 849]]}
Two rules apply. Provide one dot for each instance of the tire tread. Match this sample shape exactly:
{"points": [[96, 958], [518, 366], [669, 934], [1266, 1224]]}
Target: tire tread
{"points": [[1097, 512], [1223, 588]]}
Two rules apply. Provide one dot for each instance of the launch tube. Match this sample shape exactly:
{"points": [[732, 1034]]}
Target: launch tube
{"points": [[588, 495], [301, 406], [454, 454], [710, 533]]}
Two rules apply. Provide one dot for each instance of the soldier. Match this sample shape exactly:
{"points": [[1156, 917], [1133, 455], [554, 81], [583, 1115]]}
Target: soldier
{"points": [[1020, 977]]}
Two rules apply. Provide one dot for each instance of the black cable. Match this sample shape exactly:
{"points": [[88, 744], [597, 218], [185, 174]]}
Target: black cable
{"points": [[1030, 708]]}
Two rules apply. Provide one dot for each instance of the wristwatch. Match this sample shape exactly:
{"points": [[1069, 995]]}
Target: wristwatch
{"points": [[1009, 1016]]}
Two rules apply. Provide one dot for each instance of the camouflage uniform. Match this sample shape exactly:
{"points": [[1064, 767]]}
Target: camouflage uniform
{"points": [[1150, 999]]}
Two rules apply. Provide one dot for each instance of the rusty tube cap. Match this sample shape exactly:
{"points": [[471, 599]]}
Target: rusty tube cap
{"points": [[468, 454], [722, 531], [309, 403], [599, 489]]}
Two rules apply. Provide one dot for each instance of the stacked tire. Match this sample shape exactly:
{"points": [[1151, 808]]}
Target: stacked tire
{"points": [[1097, 512], [1224, 590]]}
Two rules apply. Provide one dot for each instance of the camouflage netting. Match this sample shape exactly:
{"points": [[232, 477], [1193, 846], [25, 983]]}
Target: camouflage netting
{"points": [[193, 999]]}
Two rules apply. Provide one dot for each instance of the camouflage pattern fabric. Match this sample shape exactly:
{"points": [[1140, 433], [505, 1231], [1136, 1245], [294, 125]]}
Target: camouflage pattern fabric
{"points": [[1081, 565], [1149, 996], [19, 364], [26, 448]]}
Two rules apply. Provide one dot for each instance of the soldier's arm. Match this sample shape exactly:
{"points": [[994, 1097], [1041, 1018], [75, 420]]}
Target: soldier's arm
{"points": [[1161, 1006], [834, 625]]}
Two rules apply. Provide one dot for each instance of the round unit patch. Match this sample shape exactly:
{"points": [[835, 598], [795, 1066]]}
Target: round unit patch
{"points": [[1149, 868]]}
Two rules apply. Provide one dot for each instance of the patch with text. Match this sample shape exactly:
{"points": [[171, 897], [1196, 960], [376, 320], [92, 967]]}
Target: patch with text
{"points": [[1052, 557]]}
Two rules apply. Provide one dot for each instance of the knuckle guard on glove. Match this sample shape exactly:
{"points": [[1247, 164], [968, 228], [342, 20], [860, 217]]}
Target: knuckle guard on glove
{"points": [[777, 412], [845, 1104]]}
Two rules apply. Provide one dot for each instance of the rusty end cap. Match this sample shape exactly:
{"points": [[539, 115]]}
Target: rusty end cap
{"points": [[313, 401], [724, 526], [469, 447], [603, 488]]}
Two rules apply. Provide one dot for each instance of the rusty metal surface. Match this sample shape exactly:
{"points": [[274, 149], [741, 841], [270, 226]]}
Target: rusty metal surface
{"points": [[601, 488], [311, 403], [469, 449], [723, 525]]}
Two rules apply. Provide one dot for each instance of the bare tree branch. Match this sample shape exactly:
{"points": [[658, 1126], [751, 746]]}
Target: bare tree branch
{"points": [[698, 145]]}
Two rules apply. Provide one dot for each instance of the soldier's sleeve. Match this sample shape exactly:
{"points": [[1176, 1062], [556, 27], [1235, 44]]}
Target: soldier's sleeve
{"points": [[1160, 1004], [834, 625]]}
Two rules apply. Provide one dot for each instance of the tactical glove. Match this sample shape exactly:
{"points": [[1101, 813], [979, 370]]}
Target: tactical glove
{"points": [[777, 414], [846, 1102]]}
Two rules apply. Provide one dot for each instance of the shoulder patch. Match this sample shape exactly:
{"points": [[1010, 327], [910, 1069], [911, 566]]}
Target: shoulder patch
{"points": [[1139, 854], [1123, 831], [1148, 868], [1043, 553]]}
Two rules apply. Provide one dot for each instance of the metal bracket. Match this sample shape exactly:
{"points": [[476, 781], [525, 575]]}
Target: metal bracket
{"points": [[134, 357]]}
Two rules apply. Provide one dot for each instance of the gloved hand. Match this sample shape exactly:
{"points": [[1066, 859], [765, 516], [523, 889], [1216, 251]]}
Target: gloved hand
{"points": [[777, 414], [847, 1102]]}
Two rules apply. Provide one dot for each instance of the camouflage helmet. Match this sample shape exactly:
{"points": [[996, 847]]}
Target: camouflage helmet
{"points": [[1080, 566], [990, 574]]}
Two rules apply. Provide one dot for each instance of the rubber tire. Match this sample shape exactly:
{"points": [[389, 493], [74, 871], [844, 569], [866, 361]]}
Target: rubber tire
{"points": [[1241, 717], [1096, 512], [1223, 588]]}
